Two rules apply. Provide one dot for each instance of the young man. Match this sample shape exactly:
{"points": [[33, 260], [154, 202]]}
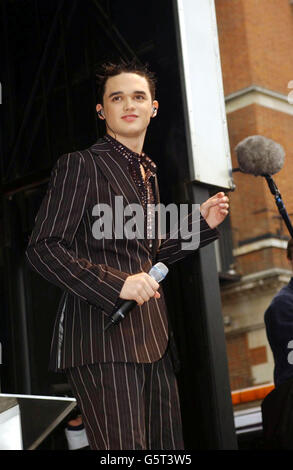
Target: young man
{"points": [[122, 378]]}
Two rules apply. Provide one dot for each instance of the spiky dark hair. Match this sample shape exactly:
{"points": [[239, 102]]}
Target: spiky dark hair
{"points": [[111, 69]]}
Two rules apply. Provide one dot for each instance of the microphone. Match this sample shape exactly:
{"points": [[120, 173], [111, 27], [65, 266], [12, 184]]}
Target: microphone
{"points": [[259, 156], [157, 272]]}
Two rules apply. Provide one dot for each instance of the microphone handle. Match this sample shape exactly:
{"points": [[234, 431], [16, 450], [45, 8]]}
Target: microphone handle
{"points": [[128, 305], [121, 313]]}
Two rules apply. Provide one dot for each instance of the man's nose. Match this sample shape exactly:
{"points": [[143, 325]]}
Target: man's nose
{"points": [[128, 103]]}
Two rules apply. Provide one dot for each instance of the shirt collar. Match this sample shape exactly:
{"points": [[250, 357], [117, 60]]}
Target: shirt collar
{"points": [[131, 156]]}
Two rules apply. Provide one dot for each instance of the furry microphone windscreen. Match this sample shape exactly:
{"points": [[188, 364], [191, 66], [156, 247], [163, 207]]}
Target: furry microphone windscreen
{"points": [[259, 155]]}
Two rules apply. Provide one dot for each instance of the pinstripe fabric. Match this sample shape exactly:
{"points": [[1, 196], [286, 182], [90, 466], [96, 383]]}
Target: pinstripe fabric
{"points": [[128, 405], [91, 272]]}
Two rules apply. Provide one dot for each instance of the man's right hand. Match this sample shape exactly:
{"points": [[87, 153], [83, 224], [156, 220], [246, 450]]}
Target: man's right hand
{"points": [[140, 287]]}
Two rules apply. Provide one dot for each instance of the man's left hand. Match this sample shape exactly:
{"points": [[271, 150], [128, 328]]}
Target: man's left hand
{"points": [[215, 209]]}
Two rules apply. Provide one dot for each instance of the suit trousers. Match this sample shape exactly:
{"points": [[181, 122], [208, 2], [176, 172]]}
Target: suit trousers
{"points": [[131, 406]]}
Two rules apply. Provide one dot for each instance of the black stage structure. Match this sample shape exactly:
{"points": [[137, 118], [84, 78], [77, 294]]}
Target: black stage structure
{"points": [[49, 53]]}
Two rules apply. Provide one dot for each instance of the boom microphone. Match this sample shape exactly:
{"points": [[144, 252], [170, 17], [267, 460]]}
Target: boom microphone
{"points": [[158, 272], [260, 156]]}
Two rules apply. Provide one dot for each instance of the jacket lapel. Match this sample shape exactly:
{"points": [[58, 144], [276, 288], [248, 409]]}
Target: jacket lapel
{"points": [[116, 172]]}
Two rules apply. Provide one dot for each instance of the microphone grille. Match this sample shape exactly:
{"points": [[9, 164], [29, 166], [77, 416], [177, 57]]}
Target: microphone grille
{"points": [[259, 155], [158, 271]]}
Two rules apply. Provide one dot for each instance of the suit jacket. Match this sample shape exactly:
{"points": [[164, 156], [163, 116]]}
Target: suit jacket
{"points": [[91, 272]]}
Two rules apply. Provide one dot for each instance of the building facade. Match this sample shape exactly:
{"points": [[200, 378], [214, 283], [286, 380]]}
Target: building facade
{"points": [[255, 38]]}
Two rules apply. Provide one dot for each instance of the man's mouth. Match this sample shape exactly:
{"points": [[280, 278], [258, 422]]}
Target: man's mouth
{"points": [[129, 117]]}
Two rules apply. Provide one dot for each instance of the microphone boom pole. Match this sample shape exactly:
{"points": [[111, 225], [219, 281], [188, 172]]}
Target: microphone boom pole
{"points": [[279, 202]]}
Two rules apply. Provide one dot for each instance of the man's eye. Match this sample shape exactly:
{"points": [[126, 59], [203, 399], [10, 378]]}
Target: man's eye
{"points": [[116, 98], [139, 97]]}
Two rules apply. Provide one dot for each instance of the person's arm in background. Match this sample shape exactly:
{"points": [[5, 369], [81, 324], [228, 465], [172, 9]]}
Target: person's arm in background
{"points": [[278, 320]]}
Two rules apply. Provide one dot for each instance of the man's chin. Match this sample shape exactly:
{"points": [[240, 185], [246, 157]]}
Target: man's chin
{"points": [[129, 132]]}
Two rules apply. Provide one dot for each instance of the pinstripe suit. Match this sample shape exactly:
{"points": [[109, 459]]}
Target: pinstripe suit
{"points": [[91, 272]]}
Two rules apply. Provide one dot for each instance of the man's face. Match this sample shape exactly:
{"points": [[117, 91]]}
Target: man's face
{"points": [[128, 105]]}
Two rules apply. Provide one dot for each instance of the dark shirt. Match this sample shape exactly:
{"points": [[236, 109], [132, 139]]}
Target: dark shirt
{"points": [[279, 327], [145, 186]]}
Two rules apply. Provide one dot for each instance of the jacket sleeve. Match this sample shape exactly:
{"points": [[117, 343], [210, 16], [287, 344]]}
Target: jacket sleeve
{"points": [[175, 245], [49, 249]]}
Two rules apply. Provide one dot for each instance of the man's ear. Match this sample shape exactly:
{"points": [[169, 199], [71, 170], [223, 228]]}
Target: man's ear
{"points": [[100, 111], [155, 108]]}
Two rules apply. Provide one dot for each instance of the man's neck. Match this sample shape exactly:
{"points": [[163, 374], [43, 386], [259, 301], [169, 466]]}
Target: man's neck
{"points": [[133, 143]]}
